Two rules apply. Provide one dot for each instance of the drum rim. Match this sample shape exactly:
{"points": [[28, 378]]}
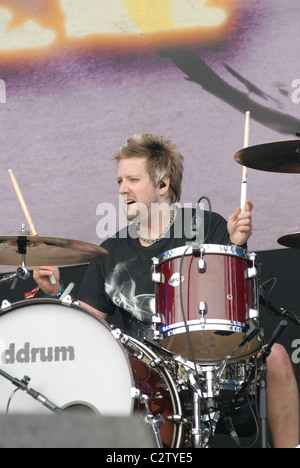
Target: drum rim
{"points": [[40, 300], [210, 324], [208, 248]]}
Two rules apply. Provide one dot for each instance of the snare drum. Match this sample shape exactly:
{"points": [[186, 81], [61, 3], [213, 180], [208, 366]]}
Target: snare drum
{"points": [[216, 289], [78, 362]]}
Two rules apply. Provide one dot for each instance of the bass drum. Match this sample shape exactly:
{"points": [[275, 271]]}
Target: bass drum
{"points": [[76, 361]]}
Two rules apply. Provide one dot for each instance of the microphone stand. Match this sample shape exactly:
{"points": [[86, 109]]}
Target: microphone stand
{"points": [[263, 397], [23, 385], [279, 310]]}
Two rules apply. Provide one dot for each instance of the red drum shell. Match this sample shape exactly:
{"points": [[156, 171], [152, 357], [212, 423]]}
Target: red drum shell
{"points": [[225, 290], [156, 382]]}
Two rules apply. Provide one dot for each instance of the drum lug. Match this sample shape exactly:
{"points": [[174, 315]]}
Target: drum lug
{"points": [[135, 393], [119, 335], [157, 362], [253, 314], [202, 266], [67, 300], [253, 271], [6, 305], [157, 278], [157, 320], [202, 311]]}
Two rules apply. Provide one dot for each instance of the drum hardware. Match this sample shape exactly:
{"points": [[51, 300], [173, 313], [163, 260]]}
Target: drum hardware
{"points": [[157, 362], [5, 306], [202, 311], [202, 265], [153, 421], [156, 277], [204, 409], [252, 272], [178, 419], [157, 323], [252, 332], [22, 272], [125, 340]]}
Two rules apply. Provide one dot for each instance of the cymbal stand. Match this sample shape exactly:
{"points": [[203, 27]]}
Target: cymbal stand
{"points": [[22, 272]]}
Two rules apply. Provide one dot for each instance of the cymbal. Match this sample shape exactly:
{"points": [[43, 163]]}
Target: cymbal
{"points": [[50, 251], [290, 240], [278, 156]]}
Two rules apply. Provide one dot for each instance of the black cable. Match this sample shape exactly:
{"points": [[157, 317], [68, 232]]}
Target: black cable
{"points": [[194, 222], [209, 217], [10, 398]]}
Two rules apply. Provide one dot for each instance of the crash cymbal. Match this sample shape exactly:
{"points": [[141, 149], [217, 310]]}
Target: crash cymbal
{"points": [[49, 251], [290, 240], [280, 156]]}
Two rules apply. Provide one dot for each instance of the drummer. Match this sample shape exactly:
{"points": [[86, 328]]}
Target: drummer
{"points": [[149, 176]]}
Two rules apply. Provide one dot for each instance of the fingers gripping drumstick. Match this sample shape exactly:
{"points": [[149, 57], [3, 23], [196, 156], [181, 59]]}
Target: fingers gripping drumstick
{"points": [[245, 169], [26, 212]]}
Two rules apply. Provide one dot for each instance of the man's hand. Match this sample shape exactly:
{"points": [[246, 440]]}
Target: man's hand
{"points": [[42, 275], [240, 225]]}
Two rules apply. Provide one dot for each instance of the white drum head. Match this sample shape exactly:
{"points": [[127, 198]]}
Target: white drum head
{"points": [[71, 357]]}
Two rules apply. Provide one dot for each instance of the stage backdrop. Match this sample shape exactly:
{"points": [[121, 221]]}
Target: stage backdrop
{"points": [[78, 78]]}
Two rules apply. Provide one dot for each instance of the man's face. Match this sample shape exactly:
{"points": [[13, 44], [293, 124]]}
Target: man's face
{"points": [[135, 188]]}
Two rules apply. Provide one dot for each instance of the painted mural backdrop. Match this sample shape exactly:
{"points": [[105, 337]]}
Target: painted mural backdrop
{"points": [[79, 77]]}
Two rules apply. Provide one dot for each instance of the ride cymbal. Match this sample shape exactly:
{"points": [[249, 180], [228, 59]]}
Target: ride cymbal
{"points": [[280, 156], [50, 251], [290, 240]]}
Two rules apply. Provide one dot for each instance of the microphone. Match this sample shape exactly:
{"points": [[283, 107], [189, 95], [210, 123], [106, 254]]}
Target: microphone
{"points": [[43, 400], [270, 306], [231, 429]]}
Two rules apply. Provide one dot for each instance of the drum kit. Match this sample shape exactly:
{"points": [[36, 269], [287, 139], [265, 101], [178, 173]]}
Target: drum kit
{"points": [[206, 356]]}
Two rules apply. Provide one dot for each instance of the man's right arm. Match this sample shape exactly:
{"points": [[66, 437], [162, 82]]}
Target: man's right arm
{"points": [[42, 276]]}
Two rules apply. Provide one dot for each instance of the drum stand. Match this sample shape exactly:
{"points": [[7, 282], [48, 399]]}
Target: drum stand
{"points": [[204, 424]]}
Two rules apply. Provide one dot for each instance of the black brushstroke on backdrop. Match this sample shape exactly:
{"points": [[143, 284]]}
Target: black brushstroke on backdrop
{"points": [[199, 72]]}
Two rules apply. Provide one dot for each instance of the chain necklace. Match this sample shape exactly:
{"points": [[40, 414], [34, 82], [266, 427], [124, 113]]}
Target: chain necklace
{"points": [[153, 241]]}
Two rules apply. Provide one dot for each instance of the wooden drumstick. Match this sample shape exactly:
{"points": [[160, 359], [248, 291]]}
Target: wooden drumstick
{"points": [[26, 212], [245, 169]]}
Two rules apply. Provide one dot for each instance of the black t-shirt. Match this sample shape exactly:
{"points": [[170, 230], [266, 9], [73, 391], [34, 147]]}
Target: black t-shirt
{"points": [[122, 279]]}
